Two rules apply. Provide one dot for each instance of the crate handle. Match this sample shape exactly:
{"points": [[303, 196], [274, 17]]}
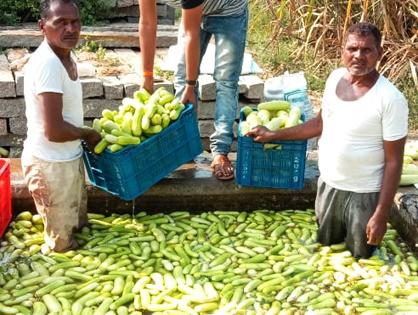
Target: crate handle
{"points": [[85, 146], [272, 146]]}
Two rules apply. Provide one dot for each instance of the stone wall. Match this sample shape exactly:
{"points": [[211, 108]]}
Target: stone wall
{"points": [[104, 86], [128, 11]]}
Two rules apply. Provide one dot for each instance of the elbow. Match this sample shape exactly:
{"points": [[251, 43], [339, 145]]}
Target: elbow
{"points": [[317, 127], [51, 135]]}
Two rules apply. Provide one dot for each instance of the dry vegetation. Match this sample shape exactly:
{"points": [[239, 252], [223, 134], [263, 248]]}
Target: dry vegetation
{"points": [[306, 35]]}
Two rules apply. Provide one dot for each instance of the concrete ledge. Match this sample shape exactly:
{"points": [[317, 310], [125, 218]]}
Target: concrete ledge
{"points": [[115, 35], [191, 187]]}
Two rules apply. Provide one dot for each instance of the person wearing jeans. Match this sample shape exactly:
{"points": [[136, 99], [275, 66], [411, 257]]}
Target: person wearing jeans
{"points": [[226, 21]]}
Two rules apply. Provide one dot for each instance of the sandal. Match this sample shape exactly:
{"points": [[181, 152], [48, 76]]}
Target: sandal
{"points": [[222, 168]]}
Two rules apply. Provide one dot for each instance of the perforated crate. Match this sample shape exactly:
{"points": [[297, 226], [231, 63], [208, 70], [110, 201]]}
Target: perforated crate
{"points": [[5, 195], [280, 167], [130, 172]]}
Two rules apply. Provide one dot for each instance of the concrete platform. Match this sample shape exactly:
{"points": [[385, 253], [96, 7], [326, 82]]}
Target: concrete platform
{"points": [[111, 36], [191, 187]]}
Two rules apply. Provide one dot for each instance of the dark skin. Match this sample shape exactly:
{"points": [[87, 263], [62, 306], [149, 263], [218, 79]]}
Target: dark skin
{"points": [[191, 19], [61, 29], [360, 55]]}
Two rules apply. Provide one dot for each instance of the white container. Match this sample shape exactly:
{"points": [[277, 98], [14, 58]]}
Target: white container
{"points": [[291, 87]]}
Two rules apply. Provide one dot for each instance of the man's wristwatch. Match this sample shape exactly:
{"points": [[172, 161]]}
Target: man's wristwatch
{"points": [[191, 82]]}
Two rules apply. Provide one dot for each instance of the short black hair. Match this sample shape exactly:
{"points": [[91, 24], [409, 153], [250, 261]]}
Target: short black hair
{"points": [[366, 29], [45, 6]]}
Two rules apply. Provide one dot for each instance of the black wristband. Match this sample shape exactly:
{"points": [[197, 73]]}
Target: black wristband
{"points": [[191, 82]]}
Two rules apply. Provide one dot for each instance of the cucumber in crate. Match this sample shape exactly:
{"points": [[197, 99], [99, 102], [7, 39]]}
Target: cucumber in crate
{"points": [[138, 119], [279, 164], [148, 138]]}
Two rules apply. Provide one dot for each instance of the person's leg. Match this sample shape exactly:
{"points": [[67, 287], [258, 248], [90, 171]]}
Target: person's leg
{"points": [[56, 192], [180, 72], [360, 210], [230, 36], [329, 205], [82, 207]]}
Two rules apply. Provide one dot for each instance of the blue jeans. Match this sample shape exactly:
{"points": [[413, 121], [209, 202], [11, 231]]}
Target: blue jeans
{"points": [[230, 33]]}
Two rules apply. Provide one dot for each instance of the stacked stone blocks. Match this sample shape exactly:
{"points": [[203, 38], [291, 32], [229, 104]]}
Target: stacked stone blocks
{"points": [[102, 91]]}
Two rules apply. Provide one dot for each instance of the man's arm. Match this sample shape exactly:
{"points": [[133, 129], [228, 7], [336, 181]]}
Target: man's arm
{"points": [[191, 23], [56, 128], [376, 227], [310, 129], [147, 29]]}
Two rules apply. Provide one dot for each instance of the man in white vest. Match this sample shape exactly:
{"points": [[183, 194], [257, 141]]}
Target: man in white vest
{"points": [[363, 124], [51, 158]]}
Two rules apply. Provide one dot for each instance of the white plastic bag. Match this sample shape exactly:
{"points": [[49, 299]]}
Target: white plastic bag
{"points": [[290, 87]]}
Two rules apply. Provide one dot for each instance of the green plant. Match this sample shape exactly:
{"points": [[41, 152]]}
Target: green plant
{"points": [[94, 47], [167, 75], [101, 53], [90, 11], [18, 11], [409, 89], [88, 45]]}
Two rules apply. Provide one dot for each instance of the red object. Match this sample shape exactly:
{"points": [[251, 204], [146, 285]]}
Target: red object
{"points": [[5, 195]]}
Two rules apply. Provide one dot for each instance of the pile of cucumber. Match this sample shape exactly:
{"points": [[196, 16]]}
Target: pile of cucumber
{"points": [[220, 262], [138, 118], [409, 174], [273, 115]]}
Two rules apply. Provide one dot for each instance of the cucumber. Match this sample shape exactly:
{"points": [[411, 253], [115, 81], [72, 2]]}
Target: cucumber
{"points": [[274, 105]]}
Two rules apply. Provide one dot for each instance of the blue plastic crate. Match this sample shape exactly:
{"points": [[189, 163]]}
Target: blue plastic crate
{"points": [[130, 172], [281, 167]]}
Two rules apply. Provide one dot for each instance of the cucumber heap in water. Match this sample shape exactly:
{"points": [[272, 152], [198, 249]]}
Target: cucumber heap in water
{"points": [[220, 262]]}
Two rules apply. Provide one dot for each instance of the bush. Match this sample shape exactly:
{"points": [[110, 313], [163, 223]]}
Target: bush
{"points": [[16, 11], [19, 11]]}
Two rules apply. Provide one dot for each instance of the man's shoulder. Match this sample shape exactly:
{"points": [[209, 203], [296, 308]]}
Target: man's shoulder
{"points": [[388, 90], [43, 56], [339, 72]]}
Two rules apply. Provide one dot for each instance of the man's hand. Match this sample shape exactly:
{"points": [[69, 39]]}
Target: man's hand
{"points": [[189, 96], [261, 134], [148, 84], [376, 229], [91, 137]]}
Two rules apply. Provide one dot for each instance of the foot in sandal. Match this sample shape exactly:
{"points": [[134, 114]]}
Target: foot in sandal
{"points": [[222, 167]]}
